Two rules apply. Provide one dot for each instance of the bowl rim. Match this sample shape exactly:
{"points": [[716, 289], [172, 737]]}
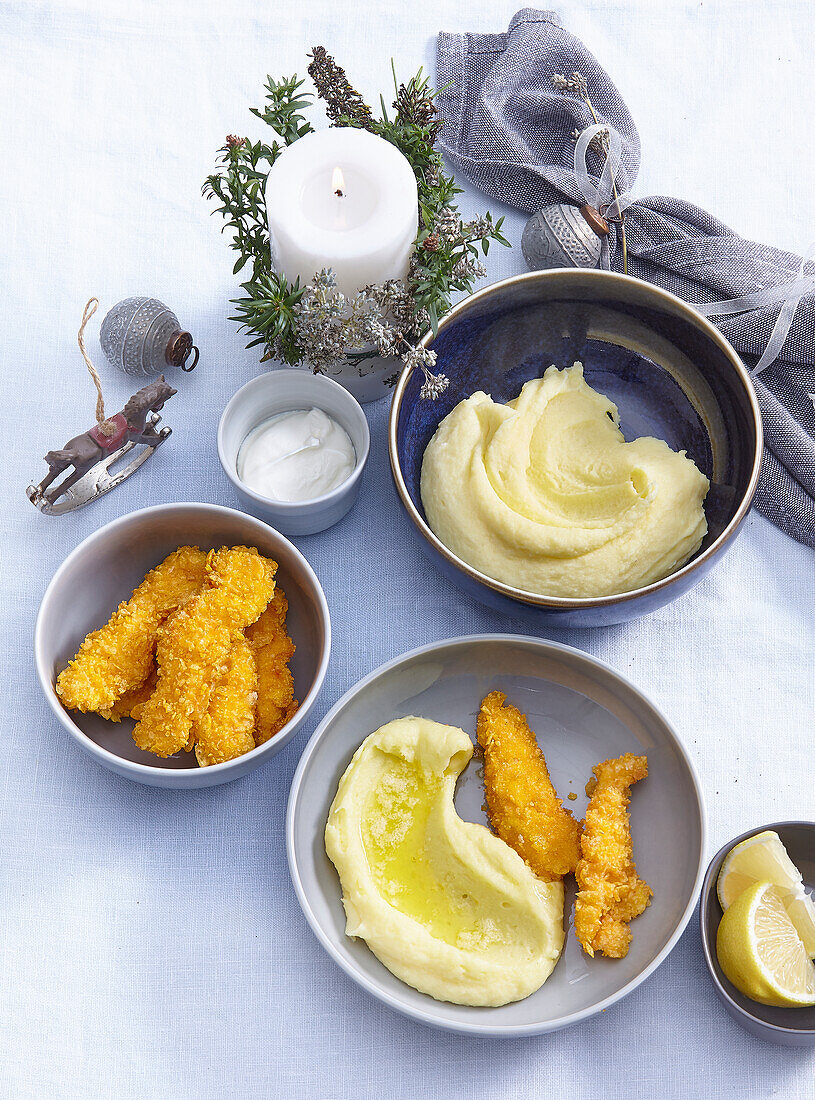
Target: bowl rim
{"points": [[564, 603], [120, 763], [294, 507], [425, 1016], [708, 948]]}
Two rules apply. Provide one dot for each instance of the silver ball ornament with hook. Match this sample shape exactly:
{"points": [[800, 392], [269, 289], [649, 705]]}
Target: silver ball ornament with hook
{"points": [[564, 236]]}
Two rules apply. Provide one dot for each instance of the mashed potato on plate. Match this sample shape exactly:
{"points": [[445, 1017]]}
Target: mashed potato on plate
{"points": [[446, 906]]}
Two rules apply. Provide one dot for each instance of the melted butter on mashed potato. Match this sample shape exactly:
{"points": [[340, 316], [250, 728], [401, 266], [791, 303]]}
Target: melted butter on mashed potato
{"points": [[544, 494], [446, 906]]}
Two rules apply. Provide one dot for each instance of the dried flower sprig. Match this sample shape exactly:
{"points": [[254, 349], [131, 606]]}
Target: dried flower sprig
{"points": [[598, 144], [414, 106], [576, 85], [342, 102], [573, 85], [316, 322]]}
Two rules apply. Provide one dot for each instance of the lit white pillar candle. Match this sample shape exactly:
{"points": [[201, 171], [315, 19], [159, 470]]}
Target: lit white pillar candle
{"points": [[343, 199]]}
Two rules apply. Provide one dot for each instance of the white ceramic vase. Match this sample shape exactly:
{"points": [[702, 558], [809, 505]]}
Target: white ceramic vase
{"points": [[366, 380]]}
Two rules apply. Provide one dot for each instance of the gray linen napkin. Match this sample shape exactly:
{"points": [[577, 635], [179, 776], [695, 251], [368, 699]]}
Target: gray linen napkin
{"points": [[509, 131]]}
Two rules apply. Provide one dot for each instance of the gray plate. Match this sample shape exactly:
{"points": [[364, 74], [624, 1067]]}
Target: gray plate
{"points": [[582, 713]]}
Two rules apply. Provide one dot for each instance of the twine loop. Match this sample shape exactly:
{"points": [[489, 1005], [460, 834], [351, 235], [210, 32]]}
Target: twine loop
{"points": [[106, 427]]}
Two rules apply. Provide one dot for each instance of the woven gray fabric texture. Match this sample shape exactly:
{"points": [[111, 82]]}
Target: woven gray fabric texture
{"points": [[510, 132]]}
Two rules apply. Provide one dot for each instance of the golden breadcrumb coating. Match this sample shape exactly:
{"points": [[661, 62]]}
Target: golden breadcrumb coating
{"points": [[273, 649], [117, 658], [226, 728], [128, 705], [522, 804], [610, 892], [194, 643]]}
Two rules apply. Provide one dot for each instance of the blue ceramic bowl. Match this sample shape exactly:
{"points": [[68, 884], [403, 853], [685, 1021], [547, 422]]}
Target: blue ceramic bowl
{"points": [[670, 372]]}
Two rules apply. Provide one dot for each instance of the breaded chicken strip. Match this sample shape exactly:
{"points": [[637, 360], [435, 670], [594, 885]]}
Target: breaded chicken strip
{"points": [[522, 804], [117, 658], [226, 728], [610, 892], [127, 706], [273, 649], [194, 643]]}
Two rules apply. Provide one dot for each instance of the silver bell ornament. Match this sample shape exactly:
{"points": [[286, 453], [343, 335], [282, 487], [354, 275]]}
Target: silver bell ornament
{"points": [[141, 336], [564, 236]]}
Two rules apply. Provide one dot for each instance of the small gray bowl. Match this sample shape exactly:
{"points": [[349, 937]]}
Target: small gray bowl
{"points": [[105, 568], [791, 1027], [281, 391], [582, 712]]}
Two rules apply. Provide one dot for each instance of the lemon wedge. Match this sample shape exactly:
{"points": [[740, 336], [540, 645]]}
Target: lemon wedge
{"points": [[763, 858], [761, 953]]}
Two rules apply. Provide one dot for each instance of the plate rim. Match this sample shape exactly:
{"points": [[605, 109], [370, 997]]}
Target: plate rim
{"points": [[425, 1016]]}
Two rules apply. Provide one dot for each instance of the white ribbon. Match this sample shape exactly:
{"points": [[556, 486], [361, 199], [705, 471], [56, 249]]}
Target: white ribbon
{"points": [[600, 195], [789, 294]]}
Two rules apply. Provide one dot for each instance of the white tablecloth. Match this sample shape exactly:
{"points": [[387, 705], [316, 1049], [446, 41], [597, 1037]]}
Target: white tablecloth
{"points": [[151, 942]]}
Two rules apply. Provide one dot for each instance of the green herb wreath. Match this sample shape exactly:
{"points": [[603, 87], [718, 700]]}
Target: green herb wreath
{"points": [[316, 323]]}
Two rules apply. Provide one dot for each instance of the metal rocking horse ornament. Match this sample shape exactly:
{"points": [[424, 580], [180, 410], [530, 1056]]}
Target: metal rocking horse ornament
{"points": [[93, 453]]}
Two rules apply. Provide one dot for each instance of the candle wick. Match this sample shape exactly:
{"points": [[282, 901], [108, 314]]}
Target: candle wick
{"points": [[338, 183]]}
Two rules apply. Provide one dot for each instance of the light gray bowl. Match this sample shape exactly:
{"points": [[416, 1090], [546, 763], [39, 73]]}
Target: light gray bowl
{"points": [[582, 713], [108, 565], [791, 1027], [281, 391]]}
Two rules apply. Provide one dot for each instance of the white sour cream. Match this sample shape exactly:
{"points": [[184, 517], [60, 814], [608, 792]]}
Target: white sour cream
{"points": [[297, 455]]}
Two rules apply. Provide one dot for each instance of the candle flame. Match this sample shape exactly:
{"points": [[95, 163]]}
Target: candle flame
{"points": [[338, 183]]}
